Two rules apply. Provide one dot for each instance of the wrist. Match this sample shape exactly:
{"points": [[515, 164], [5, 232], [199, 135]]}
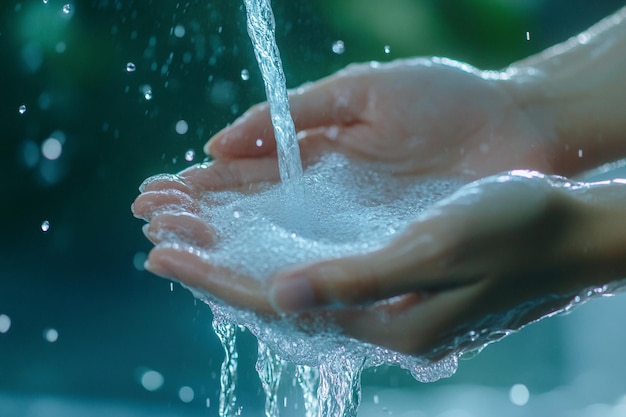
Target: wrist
{"points": [[575, 93]]}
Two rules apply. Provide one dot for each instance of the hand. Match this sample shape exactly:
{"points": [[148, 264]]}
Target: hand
{"points": [[421, 116], [418, 117], [498, 254]]}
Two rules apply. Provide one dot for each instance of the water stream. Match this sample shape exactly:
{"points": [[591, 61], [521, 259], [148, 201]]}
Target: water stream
{"points": [[261, 28]]}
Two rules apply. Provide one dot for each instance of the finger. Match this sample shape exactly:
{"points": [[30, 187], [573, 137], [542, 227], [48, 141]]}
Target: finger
{"points": [[151, 203], [336, 100], [415, 261], [195, 270], [163, 182], [233, 175], [180, 227]]}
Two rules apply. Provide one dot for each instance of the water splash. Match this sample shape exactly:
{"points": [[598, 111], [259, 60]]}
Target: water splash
{"points": [[339, 392], [309, 380], [270, 367], [261, 28], [227, 333]]}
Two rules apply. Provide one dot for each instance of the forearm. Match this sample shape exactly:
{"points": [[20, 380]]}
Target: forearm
{"points": [[578, 90]]}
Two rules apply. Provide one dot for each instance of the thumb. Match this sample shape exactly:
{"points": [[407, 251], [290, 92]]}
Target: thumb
{"points": [[353, 280]]}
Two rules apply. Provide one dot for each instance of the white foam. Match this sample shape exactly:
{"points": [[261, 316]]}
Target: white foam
{"points": [[338, 208]]}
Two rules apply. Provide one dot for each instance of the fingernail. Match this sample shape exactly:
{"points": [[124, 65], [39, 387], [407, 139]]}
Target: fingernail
{"points": [[292, 295], [157, 270]]}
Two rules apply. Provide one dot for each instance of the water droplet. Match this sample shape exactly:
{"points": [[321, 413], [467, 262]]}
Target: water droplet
{"points": [[171, 286], [45, 1], [236, 214], [376, 399], [131, 67], [139, 259], [182, 127], [387, 49], [152, 380], [60, 47], [22, 109], [580, 153], [519, 394], [67, 8], [527, 36], [179, 31], [208, 403], [186, 394], [5, 323], [51, 149], [189, 155], [338, 47], [259, 142], [45, 226], [51, 335], [245, 74], [146, 91]]}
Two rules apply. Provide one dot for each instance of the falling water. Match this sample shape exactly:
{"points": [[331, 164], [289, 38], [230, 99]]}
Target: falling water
{"points": [[270, 368], [227, 333], [339, 392], [261, 28], [309, 379]]}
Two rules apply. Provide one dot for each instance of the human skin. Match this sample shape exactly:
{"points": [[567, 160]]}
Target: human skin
{"points": [[505, 250]]}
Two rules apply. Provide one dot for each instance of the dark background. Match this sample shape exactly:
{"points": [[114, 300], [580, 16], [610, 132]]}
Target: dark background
{"points": [[83, 277]]}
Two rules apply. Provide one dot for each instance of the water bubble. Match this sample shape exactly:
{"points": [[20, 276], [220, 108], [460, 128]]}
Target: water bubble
{"points": [[22, 109], [186, 394], [130, 67], [338, 47], [179, 31], [236, 214], [5, 323], [519, 394], [51, 148], [259, 142], [51, 335], [182, 127], [189, 155], [67, 8], [45, 226], [245, 74], [387, 49], [151, 380]]}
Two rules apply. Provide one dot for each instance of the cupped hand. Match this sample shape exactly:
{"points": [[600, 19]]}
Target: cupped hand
{"points": [[496, 255], [418, 117], [421, 116]]}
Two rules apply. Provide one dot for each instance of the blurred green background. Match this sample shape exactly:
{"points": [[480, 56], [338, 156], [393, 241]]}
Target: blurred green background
{"points": [[116, 125]]}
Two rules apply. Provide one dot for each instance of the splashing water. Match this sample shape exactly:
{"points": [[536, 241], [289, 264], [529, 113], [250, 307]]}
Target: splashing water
{"points": [[227, 333], [270, 367], [309, 379]]}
